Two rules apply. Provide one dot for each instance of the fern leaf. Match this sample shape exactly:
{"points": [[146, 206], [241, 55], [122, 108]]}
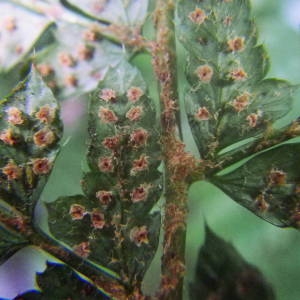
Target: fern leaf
{"points": [[30, 130], [268, 185], [78, 59], [112, 224], [228, 99]]}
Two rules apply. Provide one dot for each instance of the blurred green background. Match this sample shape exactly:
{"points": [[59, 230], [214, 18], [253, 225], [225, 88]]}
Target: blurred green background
{"points": [[275, 251]]}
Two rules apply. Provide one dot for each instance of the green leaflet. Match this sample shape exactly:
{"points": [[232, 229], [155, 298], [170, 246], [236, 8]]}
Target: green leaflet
{"points": [[222, 273], [20, 30], [272, 100], [270, 139], [268, 185], [228, 99], [111, 225], [10, 243], [123, 12], [30, 130], [78, 59], [61, 282]]}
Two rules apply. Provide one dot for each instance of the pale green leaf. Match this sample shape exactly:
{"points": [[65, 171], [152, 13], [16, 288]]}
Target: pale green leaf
{"points": [[125, 12], [78, 60], [20, 29]]}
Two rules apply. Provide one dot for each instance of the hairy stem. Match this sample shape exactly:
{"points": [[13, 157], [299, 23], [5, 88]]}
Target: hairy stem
{"points": [[164, 63]]}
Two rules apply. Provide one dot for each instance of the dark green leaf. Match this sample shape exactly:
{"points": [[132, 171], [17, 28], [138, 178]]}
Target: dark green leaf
{"points": [[64, 224], [111, 225], [30, 130], [228, 99], [10, 243], [251, 146], [223, 274], [20, 29], [268, 185], [61, 282], [71, 221]]}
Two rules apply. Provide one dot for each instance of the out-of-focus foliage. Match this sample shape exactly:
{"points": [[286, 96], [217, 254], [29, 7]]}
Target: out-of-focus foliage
{"points": [[20, 31], [221, 272]]}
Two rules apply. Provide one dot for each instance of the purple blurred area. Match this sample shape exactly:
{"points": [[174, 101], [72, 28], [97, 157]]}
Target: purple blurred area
{"points": [[18, 273]]}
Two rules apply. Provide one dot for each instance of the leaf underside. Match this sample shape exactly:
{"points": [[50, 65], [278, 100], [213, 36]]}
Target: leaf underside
{"points": [[228, 100], [112, 219], [232, 108], [77, 60], [30, 130], [222, 273], [268, 185]]}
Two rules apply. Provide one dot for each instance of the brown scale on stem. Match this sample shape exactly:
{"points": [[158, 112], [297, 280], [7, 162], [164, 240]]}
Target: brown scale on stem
{"points": [[170, 282], [137, 295], [178, 222], [114, 289], [178, 163]]}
